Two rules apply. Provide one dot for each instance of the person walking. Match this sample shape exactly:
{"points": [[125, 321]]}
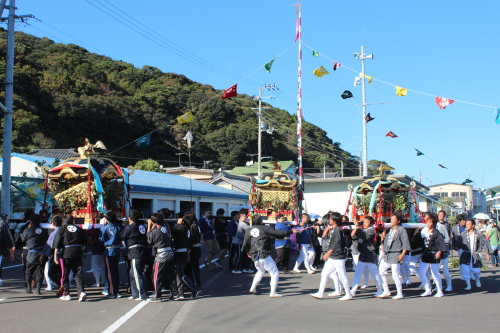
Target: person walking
{"points": [[283, 246], [492, 236], [35, 239], [6, 245], [208, 237], [220, 229], [112, 242]]}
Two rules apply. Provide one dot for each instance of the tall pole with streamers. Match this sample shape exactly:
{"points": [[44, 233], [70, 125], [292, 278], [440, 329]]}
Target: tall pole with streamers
{"points": [[298, 38]]}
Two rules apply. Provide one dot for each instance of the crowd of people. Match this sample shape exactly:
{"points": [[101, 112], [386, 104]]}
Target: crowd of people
{"points": [[165, 257]]}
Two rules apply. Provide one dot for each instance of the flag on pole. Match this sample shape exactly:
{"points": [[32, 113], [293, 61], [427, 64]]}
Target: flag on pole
{"points": [[188, 138], [346, 94], [336, 65], [370, 79], [230, 92], [185, 118], [316, 54], [493, 193], [442, 166], [36, 192], [498, 117], [401, 91], [144, 141], [269, 65], [320, 71], [391, 134], [418, 152], [467, 181], [368, 118], [443, 102]]}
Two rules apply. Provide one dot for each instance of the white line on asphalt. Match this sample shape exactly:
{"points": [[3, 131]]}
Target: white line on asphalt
{"points": [[3, 299], [125, 317], [139, 306]]}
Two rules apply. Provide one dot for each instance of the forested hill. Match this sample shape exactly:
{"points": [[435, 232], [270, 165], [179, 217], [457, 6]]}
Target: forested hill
{"points": [[63, 94]]}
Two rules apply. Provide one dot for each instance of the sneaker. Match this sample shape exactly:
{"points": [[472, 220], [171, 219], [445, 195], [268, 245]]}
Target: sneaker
{"points": [[196, 294], [236, 271], [105, 293], [154, 300], [247, 271], [48, 288], [118, 296], [131, 297], [111, 296], [181, 296], [141, 299], [217, 264], [83, 297], [65, 298]]}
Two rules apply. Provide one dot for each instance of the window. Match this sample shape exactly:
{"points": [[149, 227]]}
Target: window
{"points": [[441, 194], [459, 194]]}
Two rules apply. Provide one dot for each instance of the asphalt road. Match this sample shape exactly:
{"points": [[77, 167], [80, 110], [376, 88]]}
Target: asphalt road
{"points": [[226, 305]]}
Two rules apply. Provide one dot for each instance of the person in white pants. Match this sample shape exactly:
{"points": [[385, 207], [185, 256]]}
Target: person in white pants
{"points": [[367, 257], [395, 246], [471, 243], [434, 246], [445, 230], [412, 259], [456, 232], [257, 245], [335, 259], [304, 240]]}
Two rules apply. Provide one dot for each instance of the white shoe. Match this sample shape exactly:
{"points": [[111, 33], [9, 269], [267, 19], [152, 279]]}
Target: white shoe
{"points": [[379, 292], [316, 295], [398, 297], [296, 271], [347, 297], [83, 297], [49, 288], [478, 283], [385, 293], [65, 298], [311, 272], [364, 286], [439, 294], [275, 295], [353, 292], [427, 292], [334, 294]]}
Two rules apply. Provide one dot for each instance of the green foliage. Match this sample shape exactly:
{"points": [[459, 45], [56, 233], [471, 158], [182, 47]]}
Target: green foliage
{"points": [[148, 165], [452, 220], [445, 203], [374, 165], [64, 94]]}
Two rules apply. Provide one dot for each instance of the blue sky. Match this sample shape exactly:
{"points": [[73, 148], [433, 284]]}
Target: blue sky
{"points": [[443, 48]]}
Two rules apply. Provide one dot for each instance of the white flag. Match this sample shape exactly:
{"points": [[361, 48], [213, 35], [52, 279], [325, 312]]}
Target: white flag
{"points": [[189, 138]]}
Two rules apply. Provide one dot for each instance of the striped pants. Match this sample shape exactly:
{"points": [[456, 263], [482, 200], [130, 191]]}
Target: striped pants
{"points": [[138, 278]]}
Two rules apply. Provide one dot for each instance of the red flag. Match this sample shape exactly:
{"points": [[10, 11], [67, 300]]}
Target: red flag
{"points": [[443, 102], [336, 65], [230, 92], [442, 166], [391, 134]]}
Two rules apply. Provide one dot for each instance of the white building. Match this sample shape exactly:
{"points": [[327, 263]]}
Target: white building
{"points": [[465, 197]]}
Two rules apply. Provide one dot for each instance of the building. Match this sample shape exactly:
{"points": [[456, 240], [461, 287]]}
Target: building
{"points": [[242, 184], [465, 197], [150, 191], [204, 175], [253, 169], [493, 201], [60, 154]]}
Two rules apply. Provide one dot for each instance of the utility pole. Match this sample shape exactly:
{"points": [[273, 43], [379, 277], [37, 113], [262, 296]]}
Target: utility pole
{"points": [[260, 108], [9, 101], [342, 169], [298, 39], [360, 161], [362, 56]]}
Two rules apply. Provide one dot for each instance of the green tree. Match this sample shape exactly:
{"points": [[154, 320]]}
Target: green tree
{"points": [[374, 165], [445, 203], [148, 165]]}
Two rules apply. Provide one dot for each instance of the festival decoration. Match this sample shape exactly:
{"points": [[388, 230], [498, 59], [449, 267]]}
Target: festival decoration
{"points": [[391, 134], [336, 65], [144, 141], [369, 78], [401, 91], [346, 94], [230, 92], [315, 54], [493, 193], [185, 118], [269, 65], [443, 102], [467, 181], [320, 71], [368, 118], [188, 138], [419, 153], [497, 120], [442, 166]]}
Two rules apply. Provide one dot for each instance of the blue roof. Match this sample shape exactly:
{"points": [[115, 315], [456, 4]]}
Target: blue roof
{"points": [[48, 160], [155, 182]]}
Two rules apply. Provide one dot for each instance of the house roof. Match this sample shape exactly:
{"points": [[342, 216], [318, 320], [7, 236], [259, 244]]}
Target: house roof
{"points": [[155, 182], [184, 169], [436, 185], [61, 154], [33, 158], [241, 182], [254, 169]]}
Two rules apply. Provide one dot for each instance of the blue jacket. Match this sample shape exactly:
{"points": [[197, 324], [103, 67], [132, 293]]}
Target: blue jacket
{"points": [[206, 228], [282, 242], [110, 236], [232, 227], [304, 237]]}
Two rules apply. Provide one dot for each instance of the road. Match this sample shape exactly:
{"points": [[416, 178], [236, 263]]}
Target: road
{"points": [[226, 305]]}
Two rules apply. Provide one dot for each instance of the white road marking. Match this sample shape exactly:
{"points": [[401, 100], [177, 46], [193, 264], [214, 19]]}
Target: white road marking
{"points": [[125, 317], [3, 299]]}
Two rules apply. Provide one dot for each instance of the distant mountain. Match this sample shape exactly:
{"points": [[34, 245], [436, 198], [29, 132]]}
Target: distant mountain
{"points": [[63, 94]]}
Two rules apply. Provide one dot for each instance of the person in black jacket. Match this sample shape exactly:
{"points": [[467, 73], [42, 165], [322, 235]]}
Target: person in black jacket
{"points": [[20, 245], [35, 239], [70, 241], [434, 246], [160, 238], [194, 251], [257, 245], [180, 235], [6, 244], [135, 238]]}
